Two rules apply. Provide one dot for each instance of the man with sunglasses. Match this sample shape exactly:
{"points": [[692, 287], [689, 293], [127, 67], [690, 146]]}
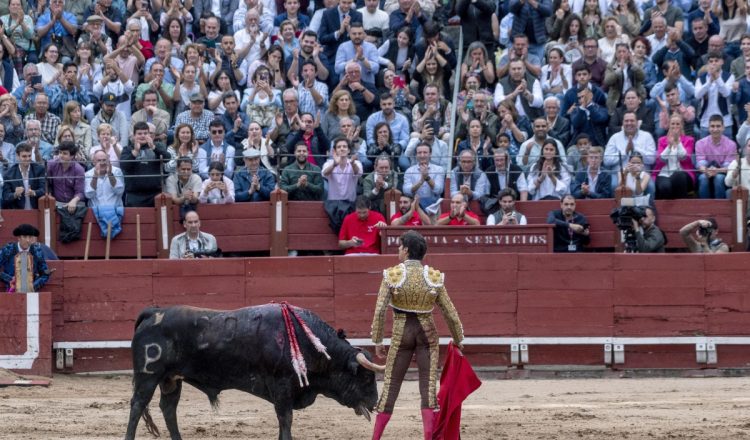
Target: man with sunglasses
{"points": [[217, 150]]}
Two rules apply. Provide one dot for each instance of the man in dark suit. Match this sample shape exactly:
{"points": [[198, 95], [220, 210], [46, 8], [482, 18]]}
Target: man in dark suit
{"points": [[593, 182], [334, 30], [24, 181]]}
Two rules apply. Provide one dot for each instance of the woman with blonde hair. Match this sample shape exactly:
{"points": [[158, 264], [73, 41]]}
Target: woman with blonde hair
{"points": [[66, 133], [184, 145], [108, 144], [341, 105], [10, 119], [73, 117]]}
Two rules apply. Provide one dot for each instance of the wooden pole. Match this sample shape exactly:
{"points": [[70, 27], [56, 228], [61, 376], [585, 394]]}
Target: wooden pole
{"points": [[138, 236], [88, 244], [109, 240]]}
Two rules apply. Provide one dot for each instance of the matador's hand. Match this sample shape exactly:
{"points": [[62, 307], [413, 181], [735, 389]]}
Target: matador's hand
{"points": [[380, 351]]}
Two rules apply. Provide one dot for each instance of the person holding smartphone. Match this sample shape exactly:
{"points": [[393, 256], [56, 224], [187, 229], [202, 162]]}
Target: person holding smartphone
{"points": [[359, 231]]}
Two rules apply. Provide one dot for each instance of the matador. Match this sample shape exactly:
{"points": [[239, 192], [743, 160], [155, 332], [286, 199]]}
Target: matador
{"points": [[412, 290]]}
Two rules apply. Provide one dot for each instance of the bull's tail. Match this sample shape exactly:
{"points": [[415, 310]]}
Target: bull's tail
{"points": [[150, 425], [145, 314]]}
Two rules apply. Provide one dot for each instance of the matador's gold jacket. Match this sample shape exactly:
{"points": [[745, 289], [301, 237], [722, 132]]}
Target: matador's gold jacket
{"points": [[413, 287]]}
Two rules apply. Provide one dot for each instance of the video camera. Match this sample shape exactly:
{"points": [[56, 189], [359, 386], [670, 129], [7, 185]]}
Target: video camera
{"points": [[623, 217]]}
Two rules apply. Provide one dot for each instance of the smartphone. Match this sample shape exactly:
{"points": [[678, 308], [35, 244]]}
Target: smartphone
{"points": [[399, 82], [573, 38], [36, 79]]}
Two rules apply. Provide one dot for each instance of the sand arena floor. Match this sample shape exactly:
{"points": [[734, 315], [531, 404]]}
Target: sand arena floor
{"points": [[76, 407]]}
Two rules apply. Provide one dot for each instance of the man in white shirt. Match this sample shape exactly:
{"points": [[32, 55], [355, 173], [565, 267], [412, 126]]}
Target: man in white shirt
{"points": [[623, 143], [424, 179], [373, 17], [250, 41], [659, 38], [522, 89], [714, 88], [530, 150]]}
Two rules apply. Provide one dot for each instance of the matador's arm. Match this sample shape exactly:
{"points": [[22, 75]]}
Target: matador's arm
{"points": [[378, 321], [450, 315]]}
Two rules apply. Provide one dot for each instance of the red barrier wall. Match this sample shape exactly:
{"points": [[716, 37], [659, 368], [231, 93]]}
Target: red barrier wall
{"points": [[498, 295], [25, 348]]}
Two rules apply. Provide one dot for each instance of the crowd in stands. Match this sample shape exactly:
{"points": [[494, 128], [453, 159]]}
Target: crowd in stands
{"points": [[108, 103]]}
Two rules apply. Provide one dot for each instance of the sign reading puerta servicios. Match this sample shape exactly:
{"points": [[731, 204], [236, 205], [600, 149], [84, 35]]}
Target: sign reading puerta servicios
{"points": [[475, 239]]}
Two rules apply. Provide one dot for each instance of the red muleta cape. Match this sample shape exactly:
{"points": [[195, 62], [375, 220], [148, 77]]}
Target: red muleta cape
{"points": [[457, 382]]}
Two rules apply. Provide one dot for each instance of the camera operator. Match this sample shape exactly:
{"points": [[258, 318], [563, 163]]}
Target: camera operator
{"points": [[649, 238], [193, 243], [701, 236]]}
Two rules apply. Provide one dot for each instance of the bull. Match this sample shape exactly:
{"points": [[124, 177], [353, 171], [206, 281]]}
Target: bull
{"points": [[249, 350]]}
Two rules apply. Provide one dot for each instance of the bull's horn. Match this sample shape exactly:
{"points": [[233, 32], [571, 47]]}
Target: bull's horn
{"points": [[362, 360]]}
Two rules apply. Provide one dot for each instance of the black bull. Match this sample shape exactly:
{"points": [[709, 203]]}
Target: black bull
{"points": [[245, 349]]}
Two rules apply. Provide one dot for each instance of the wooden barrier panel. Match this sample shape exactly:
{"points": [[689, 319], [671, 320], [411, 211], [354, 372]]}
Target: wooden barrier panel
{"points": [[309, 229], [26, 333], [475, 239], [517, 296]]}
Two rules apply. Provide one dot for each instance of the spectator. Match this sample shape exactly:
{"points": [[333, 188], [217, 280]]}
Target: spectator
{"points": [[481, 147], [113, 117], [409, 14], [505, 213], [149, 112], [221, 85], [48, 121], [467, 178], [738, 65], [441, 44], [424, 179], [217, 149], [218, 188], [674, 105], [69, 89], [57, 25], [184, 186], [10, 119], [373, 17], [714, 88], [340, 106], [632, 102], [252, 183], [713, 155], [476, 24], [334, 27], [67, 177], [73, 117], [557, 77], [142, 163], [359, 231], [384, 143], [634, 177], [589, 117], [190, 81], [559, 127], [571, 232], [440, 156], [31, 85], [522, 89], [250, 40], [702, 237], [597, 67], [649, 238], [433, 69], [631, 139], [375, 184], [502, 175], [399, 125], [7, 152], [24, 267], [157, 82], [309, 50], [410, 213], [582, 75], [549, 178], [621, 73], [363, 93], [41, 149], [434, 108], [593, 182], [193, 243], [578, 153], [312, 135], [255, 140], [460, 214], [530, 150], [235, 122], [301, 179], [105, 185], [741, 88], [641, 57], [197, 117], [738, 173], [19, 26], [478, 64], [358, 51], [313, 94], [24, 182], [673, 170], [109, 144], [481, 101]]}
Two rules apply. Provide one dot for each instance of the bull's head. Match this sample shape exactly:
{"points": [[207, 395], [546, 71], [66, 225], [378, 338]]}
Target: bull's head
{"points": [[363, 370]]}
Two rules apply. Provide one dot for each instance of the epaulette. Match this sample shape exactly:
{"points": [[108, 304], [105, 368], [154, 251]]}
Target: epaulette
{"points": [[395, 276], [433, 277]]}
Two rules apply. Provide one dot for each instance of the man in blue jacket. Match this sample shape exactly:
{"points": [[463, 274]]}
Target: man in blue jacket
{"points": [[24, 267], [253, 183]]}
